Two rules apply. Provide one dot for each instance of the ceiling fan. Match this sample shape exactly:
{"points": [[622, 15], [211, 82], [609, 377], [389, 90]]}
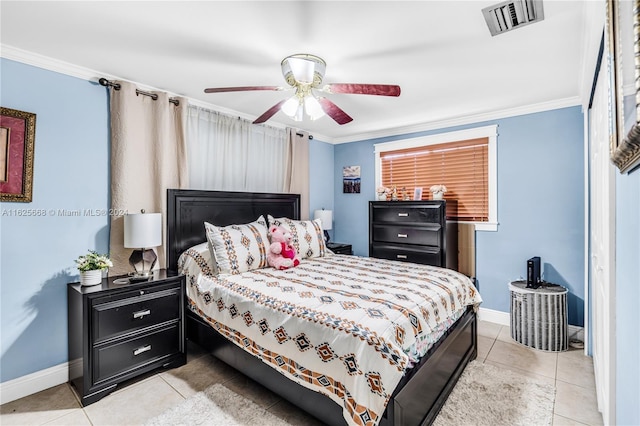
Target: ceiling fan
{"points": [[304, 73]]}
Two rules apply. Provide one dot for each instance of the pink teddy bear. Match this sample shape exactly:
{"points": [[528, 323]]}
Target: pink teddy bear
{"points": [[282, 255]]}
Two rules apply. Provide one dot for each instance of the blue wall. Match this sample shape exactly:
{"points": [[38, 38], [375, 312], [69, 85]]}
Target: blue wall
{"points": [[70, 173], [540, 204], [628, 298], [320, 176]]}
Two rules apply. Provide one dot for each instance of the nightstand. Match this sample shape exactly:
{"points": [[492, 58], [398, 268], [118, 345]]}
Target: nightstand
{"points": [[120, 331], [340, 248]]}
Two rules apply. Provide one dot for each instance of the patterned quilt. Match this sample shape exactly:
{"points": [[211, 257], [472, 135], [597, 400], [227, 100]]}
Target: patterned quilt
{"points": [[345, 326]]}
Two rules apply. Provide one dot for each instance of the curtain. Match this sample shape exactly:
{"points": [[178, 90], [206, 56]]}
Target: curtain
{"points": [[231, 154], [298, 168], [148, 156]]}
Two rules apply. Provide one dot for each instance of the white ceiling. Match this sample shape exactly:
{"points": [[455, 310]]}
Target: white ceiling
{"points": [[440, 53]]}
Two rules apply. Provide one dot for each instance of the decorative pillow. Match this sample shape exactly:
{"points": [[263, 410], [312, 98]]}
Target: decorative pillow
{"points": [[239, 248], [308, 238], [197, 260]]}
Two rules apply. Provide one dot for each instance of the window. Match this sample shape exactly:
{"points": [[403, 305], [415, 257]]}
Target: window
{"points": [[464, 161]]}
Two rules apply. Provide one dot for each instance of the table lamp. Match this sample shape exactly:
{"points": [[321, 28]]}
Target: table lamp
{"points": [[326, 218], [142, 231]]}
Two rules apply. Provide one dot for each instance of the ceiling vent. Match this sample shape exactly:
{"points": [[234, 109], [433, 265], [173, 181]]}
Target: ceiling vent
{"points": [[510, 15]]}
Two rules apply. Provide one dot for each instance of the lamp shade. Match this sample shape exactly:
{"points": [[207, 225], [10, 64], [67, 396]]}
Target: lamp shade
{"points": [[325, 216], [142, 230]]}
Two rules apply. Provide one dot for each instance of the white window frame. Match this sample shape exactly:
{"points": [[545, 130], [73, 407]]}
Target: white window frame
{"points": [[489, 132]]}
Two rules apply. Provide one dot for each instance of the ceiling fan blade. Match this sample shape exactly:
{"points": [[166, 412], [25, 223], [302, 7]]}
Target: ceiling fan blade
{"points": [[269, 113], [240, 89], [363, 89], [334, 111]]}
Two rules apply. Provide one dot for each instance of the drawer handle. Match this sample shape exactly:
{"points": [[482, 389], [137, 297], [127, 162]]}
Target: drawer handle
{"points": [[403, 214], [141, 350], [402, 235], [401, 256], [141, 314]]}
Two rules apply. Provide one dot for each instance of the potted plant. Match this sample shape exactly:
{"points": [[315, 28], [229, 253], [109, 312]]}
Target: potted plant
{"points": [[91, 266], [438, 191]]}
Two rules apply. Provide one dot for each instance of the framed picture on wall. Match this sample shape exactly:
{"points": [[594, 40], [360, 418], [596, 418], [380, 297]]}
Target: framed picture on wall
{"points": [[17, 137], [351, 179], [624, 144]]}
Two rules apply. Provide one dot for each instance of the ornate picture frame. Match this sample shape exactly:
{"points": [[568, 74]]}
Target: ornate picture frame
{"points": [[624, 146], [17, 139]]}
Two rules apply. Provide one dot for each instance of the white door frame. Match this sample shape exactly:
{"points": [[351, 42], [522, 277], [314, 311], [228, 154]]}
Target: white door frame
{"points": [[602, 209]]}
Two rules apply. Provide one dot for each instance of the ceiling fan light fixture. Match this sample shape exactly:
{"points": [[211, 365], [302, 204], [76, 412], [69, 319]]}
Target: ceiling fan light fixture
{"points": [[290, 107], [313, 108], [303, 68], [299, 115]]}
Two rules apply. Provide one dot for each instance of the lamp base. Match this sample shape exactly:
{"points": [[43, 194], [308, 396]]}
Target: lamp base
{"points": [[135, 278], [326, 236], [142, 261]]}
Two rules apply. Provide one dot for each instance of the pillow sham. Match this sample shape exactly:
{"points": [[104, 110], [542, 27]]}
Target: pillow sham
{"points": [[197, 260], [239, 248], [308, 238]]}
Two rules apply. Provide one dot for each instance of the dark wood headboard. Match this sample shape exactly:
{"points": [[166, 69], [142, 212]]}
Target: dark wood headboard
{"points": [[187, 210]]}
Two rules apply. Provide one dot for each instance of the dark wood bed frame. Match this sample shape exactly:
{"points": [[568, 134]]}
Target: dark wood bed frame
{"points": [[422, 391]]}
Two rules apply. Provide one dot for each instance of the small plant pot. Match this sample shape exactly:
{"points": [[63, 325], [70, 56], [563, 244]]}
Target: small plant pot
{"points": [[91, 277]]}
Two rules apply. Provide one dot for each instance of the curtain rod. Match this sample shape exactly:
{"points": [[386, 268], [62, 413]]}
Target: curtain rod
{"points": [[116, 86], [302, 134], [104, 82]]}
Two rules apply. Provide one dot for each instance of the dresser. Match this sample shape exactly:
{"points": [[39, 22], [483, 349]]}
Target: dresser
{"points": [[119, 331], [414, 231]]}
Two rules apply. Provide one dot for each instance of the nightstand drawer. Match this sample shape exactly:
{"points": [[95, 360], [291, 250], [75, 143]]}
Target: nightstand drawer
{"points": [[134, 310], [406, 254], [340, 248], [428, 236], [121, 357], [413, 214]]}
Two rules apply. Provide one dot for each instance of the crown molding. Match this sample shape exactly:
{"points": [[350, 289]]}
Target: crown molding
{"points": [[468, 119], [50, 64]]}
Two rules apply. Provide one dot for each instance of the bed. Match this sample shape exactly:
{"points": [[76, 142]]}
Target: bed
{"points": [[421, 390]]}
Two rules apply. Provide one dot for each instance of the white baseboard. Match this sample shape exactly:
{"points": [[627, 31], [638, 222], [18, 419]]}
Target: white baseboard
{"points": [[498, 317], [34, 382], [503, 318]]}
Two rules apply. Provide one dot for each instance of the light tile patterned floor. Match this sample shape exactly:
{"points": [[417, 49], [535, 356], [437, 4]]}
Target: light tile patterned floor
{"points": [[571, 372]]}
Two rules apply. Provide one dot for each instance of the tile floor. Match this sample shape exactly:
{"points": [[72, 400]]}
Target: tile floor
{"points": [[571, 372]]}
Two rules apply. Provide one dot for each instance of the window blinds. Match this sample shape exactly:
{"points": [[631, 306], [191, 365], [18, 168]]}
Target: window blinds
{"points": [[461, 166]]}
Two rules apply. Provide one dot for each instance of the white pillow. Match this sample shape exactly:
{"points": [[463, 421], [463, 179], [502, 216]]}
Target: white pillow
{"points": [[197, 260], [308, 238], [239, 248]]}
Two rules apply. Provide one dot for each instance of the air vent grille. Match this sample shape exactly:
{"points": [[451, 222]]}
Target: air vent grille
{"points": [[510, 15]]}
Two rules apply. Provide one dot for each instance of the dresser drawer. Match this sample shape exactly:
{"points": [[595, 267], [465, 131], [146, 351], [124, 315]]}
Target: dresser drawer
{"points": [[135, 310], [424, 256], [430, 236], [415, 214], [123, 356]]}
